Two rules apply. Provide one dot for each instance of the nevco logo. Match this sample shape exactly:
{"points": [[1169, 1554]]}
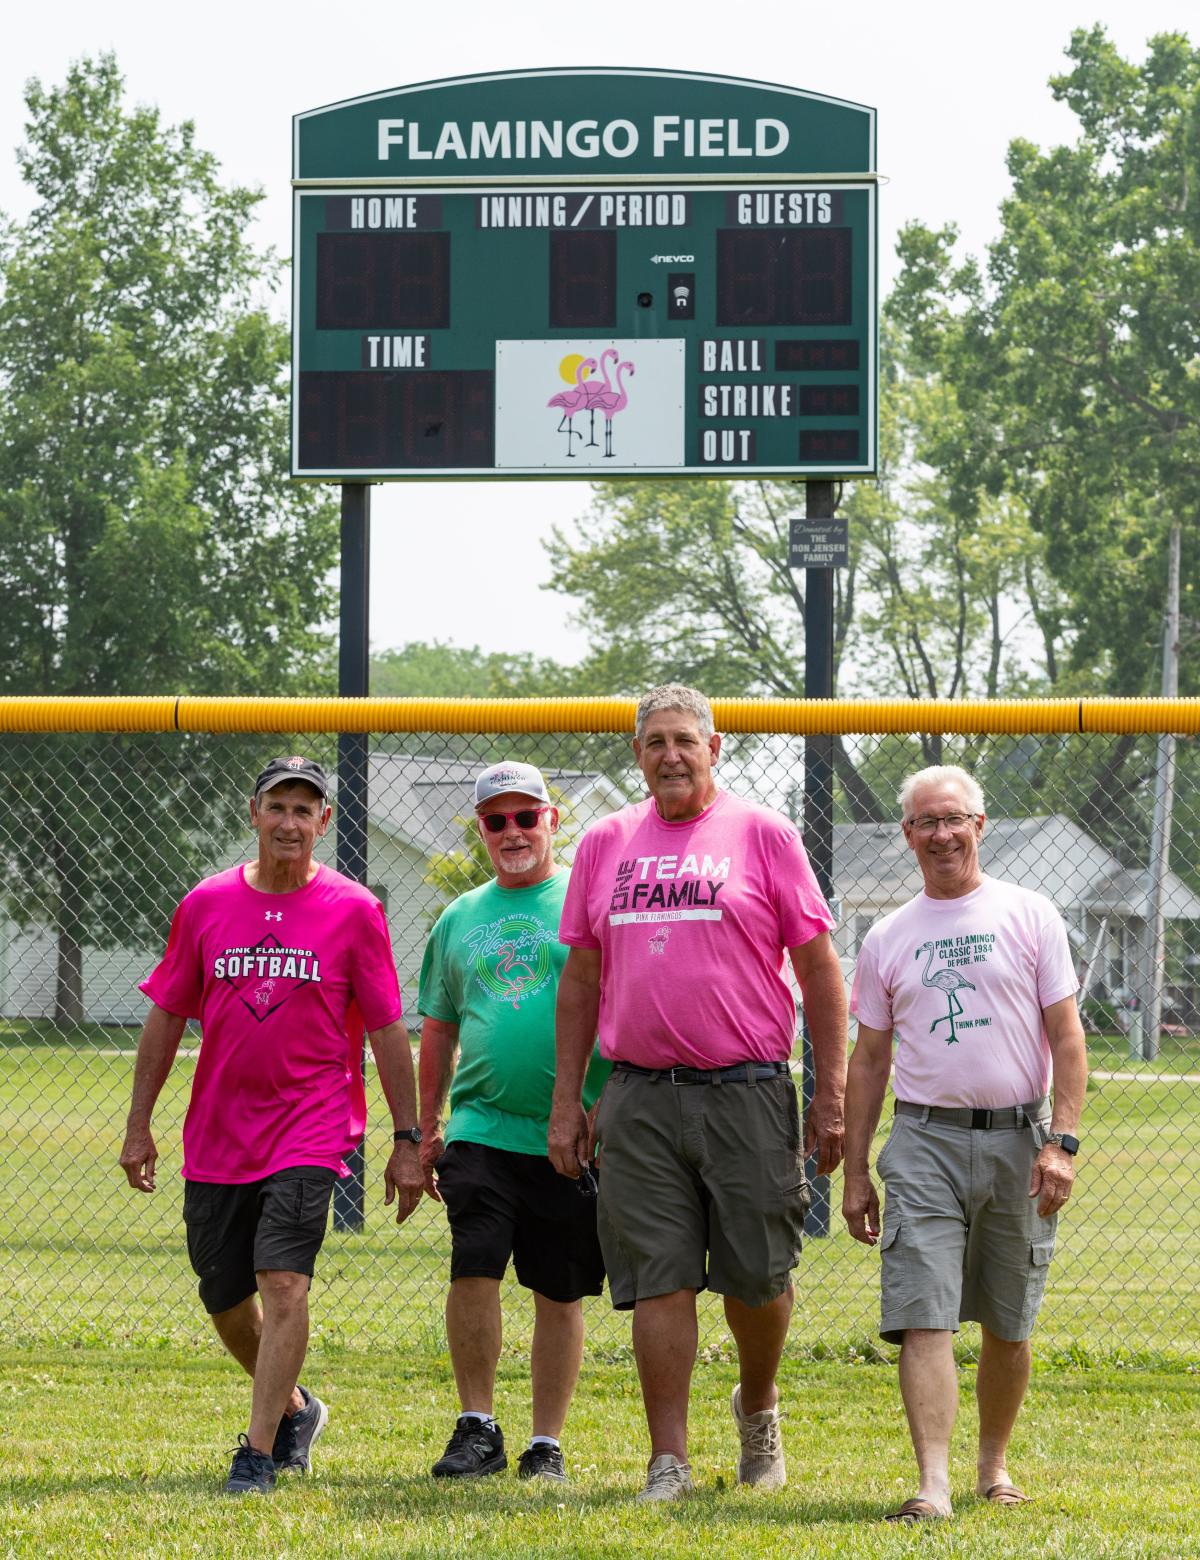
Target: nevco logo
{"points": [[672, 259]]}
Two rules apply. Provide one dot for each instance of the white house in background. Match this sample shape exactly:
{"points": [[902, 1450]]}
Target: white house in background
{"points": [[417, 807], [1103, 903]]}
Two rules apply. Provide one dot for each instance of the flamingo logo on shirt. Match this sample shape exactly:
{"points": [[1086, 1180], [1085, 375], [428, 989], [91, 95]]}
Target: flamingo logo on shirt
{"points": [[511, 957]]}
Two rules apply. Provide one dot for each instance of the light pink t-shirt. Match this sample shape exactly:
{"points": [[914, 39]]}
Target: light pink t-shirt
{"points": [[692, 920], [283, 986], [962, 982]]}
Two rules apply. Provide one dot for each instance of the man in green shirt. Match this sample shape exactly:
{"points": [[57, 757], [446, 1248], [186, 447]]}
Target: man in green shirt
{"points": [[489, 983]]}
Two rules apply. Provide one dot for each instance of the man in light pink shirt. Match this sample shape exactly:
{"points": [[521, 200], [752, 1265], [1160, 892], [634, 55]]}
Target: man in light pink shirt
{"points": [[974, 980], [680, 914], [284, 962]]}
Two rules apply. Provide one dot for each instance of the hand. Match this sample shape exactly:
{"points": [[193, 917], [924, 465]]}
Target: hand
{"points": [[404, 1180], [1052, 1179], [860, 1207], [569, 1138], [433, 1146], [138, 1158], [825, 1132]]}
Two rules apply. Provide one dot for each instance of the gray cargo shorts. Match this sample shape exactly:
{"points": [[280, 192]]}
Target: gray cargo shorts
{"points": [[962, 1239]]}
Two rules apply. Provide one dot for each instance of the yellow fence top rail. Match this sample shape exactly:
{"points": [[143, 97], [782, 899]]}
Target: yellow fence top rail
{"points": [[800, 717]]}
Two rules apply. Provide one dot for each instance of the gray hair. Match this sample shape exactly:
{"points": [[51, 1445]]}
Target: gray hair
{"points": [[942, 774], [674, 696]]}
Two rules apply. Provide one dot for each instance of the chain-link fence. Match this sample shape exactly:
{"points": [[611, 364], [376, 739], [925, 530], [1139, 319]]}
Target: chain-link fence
{"points": [[101, 833]]}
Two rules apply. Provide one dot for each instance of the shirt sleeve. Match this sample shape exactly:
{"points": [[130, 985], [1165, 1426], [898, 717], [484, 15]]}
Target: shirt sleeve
{"points": [[373, 978], [575, 928], [870, 1000], [803, 913], [177, 983], [1056, 976], [434, 998]]}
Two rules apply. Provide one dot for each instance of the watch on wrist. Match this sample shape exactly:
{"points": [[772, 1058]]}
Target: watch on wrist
{"points": [[407, 1135], [1063, 1140]]}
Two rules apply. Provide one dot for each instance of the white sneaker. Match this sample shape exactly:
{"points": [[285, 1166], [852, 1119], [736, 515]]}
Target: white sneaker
{"points": [[761, 1462], [667, 1479]]}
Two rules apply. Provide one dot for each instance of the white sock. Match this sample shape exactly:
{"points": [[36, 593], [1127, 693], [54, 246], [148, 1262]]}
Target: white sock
{"points": [[546, 1440], [478, 1416]]}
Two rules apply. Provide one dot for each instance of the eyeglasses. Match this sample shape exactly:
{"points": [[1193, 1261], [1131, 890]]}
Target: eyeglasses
{"points": [[587, 1183], [495, 822], [952, 821]]}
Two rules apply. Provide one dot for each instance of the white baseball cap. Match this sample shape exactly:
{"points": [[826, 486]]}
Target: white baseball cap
{"points": [[524, 778]]}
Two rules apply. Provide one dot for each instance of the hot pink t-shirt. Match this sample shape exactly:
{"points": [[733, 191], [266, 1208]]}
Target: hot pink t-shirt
{"points": [[283, 986], [692, 920], [962, 982]]}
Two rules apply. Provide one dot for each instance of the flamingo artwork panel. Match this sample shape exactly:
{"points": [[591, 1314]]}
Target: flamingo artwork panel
{"points": [[589, 405]]}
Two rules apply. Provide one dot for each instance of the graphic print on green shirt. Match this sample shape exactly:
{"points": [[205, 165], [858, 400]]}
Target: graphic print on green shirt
{"points": [[491, 966]]}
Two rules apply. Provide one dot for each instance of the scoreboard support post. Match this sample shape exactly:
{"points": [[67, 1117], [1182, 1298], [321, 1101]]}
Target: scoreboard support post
{"points": [[818, 782], [349, 1196]]}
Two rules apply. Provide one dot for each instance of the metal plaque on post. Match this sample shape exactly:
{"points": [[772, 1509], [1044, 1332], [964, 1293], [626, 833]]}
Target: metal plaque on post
{"points": [[585, 273], [818, 544]]}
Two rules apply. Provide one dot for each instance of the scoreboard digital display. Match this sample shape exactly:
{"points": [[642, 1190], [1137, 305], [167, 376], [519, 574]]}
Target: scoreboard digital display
{"points": [[588, 324]]}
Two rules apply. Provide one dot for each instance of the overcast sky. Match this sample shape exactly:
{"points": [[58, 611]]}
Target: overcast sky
{"points": [[953, 83]]}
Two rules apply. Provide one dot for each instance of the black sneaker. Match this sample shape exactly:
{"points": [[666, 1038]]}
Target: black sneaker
{"points": [[295, 1436], [541, 1462], [253, 1473], [474, 1449]]}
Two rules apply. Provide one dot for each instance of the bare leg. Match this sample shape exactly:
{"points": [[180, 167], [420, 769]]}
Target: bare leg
{"points": [[664, 1345], [240, 1330], [760, 1333], [1000, 1390], [281, 1350], [473, 1332], [555, 1360], [929, 1387]]}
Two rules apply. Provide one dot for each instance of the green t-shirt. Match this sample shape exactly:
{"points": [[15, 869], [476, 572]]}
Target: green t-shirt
{"points": [[491, 966]]}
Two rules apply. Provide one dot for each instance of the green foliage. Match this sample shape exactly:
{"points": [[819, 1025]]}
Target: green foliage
{"points": [[440, 670], [150, 539]]}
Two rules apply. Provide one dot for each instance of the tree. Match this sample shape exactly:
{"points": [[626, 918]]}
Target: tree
{"points": [[150, 539], [439, 670]]}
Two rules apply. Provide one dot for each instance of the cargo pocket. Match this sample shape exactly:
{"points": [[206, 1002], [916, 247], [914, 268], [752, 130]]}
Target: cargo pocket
{"points": [[895, 1281], [199, 1201], [1040, 1253]]}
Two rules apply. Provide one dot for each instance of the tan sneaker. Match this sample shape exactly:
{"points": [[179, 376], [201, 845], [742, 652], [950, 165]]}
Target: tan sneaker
{"points": [[761, 1462], [667, 1479]]}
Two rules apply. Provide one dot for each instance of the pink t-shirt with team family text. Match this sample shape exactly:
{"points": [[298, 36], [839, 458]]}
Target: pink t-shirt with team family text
{"points": [[962, 983], [693, 919], [283, 986]]}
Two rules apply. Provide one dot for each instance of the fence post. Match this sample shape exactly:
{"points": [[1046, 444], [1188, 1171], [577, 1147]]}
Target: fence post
{"points": [[818, 782], [349, 1196]]}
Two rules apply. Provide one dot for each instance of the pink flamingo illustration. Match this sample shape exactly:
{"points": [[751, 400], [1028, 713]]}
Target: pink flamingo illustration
{"points": [[596, 392], [950, 982], [514, 971], [572, 401], [613, 402]]}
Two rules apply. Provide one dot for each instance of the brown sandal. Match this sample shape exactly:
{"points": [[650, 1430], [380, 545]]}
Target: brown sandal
{"points": [[1007, 1495], [916, 1510]]}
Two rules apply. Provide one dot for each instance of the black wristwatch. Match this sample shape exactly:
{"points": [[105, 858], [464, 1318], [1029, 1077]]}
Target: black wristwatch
{"points": [[408, 1135], [1063, 1140]]}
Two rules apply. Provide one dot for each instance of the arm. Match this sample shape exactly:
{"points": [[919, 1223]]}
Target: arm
{"points": [[1053, 1169], [393, 1060], [866, 1085], [820, 977], [155, 1053], [578, 1009], [439, 1042]]}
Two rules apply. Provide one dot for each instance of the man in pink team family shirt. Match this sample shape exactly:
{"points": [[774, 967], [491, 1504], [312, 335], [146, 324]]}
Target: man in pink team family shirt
{"points": [[678, 916], [284, 962], [974, 979]]}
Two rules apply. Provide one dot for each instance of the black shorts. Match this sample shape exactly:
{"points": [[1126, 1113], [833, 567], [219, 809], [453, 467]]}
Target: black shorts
{"points": [[504, 1205], [235, 1231]]}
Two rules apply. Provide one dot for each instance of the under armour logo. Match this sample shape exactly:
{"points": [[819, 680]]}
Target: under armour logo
{"points": [[274, 915]]}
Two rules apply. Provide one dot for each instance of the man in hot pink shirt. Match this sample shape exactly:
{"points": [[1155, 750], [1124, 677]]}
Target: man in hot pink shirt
{"points": [[974, 980], [284, 962], [679, 915]]}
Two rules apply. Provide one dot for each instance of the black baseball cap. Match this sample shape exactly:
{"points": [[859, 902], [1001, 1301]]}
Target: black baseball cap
{"points": [[283, 771]]}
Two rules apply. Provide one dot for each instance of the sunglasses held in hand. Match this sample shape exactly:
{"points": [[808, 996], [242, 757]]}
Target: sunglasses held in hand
{"points": [[494, 822]]}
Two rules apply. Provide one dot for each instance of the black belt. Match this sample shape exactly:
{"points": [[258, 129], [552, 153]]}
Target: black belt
{"points": [[1014, 1117], [740, 1072]]}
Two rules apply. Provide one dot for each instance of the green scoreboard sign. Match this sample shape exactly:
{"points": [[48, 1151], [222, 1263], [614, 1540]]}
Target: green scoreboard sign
{"points": [[585, 273]]}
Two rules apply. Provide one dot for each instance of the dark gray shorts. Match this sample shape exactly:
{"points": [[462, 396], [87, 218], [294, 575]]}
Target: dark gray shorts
{"points": [[701, 1187], [962, 1239]]}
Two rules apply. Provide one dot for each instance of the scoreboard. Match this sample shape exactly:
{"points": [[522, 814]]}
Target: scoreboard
{"points": [[558, 324]]}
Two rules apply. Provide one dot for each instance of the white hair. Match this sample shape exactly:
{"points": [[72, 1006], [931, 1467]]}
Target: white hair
{"points": [[674, 696], [942, 774]]}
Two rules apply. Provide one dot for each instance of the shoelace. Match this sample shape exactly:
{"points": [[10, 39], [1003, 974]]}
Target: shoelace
{"points": [[245, 1456], [763, 1440], [668, 1473]]}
